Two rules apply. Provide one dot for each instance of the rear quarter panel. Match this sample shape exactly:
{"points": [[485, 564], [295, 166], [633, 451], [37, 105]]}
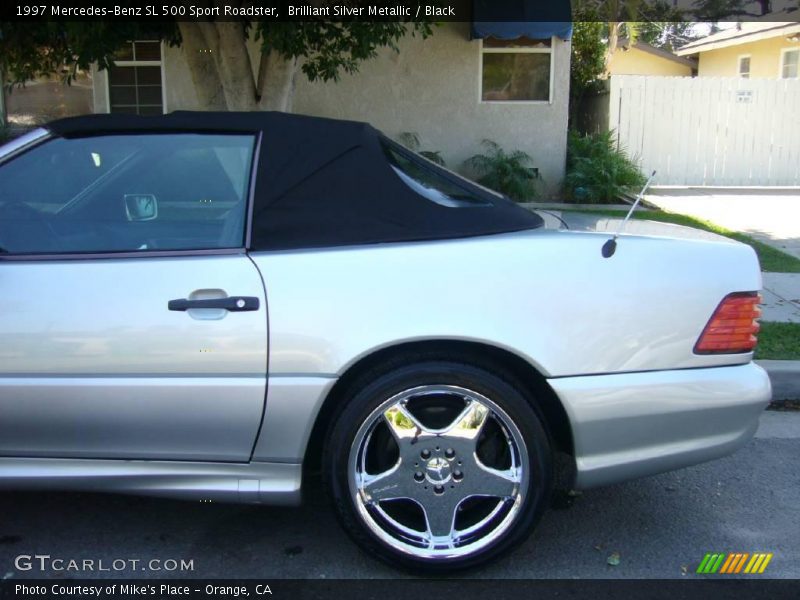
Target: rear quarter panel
{"points": [[548, 296]]}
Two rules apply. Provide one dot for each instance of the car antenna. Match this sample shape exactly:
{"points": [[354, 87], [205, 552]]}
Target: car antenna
{"points": [[611, 245]]}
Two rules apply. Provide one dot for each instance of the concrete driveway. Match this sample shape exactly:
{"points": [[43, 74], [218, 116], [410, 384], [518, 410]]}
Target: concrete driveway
{"points": [[771, 215]]}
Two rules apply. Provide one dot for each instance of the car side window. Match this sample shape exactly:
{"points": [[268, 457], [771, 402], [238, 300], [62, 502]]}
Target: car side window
{"points": [[126, 193], [430, 182]]}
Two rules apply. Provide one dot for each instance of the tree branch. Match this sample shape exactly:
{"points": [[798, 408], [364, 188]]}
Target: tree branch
{"points": [[277, 86], [235, 68], [263, 73]]}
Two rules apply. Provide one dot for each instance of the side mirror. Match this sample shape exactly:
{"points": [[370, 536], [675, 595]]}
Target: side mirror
{"points": [[141, 207]]}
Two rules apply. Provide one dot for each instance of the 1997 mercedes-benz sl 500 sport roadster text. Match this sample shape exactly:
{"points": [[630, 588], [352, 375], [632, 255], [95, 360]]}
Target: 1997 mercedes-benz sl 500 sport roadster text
{"points": [[203, 305]]}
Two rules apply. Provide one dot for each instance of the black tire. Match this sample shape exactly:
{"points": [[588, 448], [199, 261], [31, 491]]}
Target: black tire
{"points": [[373, 391]]}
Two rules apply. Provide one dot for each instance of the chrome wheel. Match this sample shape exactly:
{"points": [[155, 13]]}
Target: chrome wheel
{"points": [[438, 472]]}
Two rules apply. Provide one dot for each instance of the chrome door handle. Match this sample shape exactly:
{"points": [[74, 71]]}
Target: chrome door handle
{"points": [[232, 304]]}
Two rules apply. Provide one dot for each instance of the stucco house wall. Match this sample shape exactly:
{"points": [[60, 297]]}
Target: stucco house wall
{"points": [[432, 88], [765, 59]]}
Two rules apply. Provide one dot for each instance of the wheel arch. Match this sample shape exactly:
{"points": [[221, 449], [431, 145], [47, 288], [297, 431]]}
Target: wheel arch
{"points": [[504, 363]]}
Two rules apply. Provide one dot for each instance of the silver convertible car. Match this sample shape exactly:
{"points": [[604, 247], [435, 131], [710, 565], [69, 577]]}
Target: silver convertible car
{"points": [[210, 305]]}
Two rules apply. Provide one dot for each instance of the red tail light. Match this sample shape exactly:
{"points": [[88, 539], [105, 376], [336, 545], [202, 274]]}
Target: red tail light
{"points": [[733, 326]]}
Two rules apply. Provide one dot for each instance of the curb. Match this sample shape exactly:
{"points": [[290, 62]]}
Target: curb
{"points": [[785, 378]]}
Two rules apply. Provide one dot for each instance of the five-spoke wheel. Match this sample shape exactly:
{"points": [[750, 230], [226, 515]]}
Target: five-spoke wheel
{"points": [[444, 464]]}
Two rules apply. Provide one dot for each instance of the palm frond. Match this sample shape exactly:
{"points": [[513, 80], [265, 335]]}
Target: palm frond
{"points": [[410, 140], [506, 172]]}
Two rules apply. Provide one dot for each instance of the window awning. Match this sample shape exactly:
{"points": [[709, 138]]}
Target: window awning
{"points": [[510, 19]]}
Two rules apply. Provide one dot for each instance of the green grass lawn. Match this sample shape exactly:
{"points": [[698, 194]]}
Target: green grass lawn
{"points": [[779, 341], [772, 260]]}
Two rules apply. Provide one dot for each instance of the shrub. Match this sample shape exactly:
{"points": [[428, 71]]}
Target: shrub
{"points": [[410, 140], [510, 173], [597, 171]]}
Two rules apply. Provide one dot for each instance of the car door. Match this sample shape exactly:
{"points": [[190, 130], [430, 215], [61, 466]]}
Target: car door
{"points": [[133, 323]]}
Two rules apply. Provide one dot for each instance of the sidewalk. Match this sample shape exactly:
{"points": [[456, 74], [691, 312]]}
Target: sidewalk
{"points": [[781, 297]]}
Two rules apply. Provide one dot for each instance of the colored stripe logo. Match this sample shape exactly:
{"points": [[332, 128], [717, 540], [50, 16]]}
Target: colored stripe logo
{"points": [[734, 562]]}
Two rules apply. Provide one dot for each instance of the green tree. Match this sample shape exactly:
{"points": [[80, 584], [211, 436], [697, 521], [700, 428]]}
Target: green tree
{"points": [[587, 64], [664, 26], [668, 35], [717, 10], [656, 22], [765, 5], [621, 18], [216, 52]]}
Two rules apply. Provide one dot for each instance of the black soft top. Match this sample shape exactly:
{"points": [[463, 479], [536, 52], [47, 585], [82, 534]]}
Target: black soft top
{"points": [[324, 182]]}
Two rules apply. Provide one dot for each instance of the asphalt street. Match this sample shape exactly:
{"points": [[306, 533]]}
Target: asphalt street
{"points": [[659, 527]]}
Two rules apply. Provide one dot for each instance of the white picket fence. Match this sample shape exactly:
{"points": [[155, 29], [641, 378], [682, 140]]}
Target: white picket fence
{"points": [[709, 131]]}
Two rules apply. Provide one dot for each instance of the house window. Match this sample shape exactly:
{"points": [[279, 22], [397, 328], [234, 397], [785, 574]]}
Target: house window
{"points": [[789, 63], [744, 67], [518, 70], [134, 82]]}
